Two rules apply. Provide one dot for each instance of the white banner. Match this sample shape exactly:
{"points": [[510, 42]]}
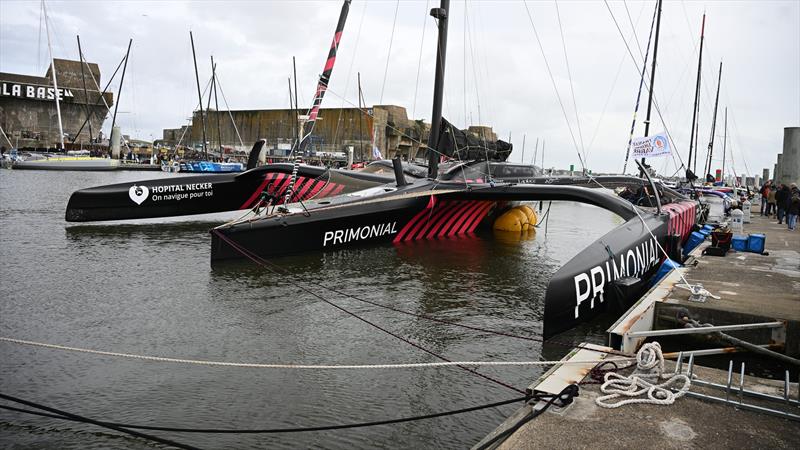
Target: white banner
{"points": [[651, 146]]}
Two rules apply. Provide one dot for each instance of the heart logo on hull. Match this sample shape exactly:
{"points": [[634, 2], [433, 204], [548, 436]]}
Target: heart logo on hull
{"points": [[138, 193]]}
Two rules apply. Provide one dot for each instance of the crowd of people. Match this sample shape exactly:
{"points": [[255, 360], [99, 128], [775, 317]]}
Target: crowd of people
{"points": [[781, 201]]}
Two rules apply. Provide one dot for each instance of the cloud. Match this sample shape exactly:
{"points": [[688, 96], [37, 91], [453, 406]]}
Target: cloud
{"points": [[495, 74]]}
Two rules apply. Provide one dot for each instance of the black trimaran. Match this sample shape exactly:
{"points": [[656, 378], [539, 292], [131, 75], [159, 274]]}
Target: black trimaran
{"points": [[614, 270]]}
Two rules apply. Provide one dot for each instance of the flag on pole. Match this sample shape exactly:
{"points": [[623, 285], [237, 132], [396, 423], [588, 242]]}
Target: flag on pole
{"points": [[651, 146]]}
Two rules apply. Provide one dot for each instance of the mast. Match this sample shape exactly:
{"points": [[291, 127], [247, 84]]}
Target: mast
{"points": [[53, 75], [85, 92], [296, 106], [199, 96], [652, 77], [360, 122], [714, 123], [121, 80], [322, 86], [724, 143], [535, 152], [216, 103], [696, 98], [324, 78], [439, 13], [522, 160]]}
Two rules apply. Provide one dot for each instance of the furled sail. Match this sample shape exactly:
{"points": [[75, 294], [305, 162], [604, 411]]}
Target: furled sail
{"points": [[465, 146]]}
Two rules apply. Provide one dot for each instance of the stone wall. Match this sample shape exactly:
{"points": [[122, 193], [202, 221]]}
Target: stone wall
{"points": [[28, 112]]}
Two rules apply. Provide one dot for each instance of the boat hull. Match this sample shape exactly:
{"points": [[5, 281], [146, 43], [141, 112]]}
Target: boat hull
{"points": [[65, 164]]}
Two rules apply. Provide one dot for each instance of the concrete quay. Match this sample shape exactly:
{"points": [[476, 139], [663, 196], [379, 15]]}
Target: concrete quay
{"points": [[686, 424], [752, 288]]}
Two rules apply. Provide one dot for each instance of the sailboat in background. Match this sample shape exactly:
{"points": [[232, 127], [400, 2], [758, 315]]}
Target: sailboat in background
{"points": [[73, 160]]}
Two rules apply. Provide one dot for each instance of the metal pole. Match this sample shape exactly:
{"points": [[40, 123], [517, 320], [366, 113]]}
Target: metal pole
{"points": [[438, 88], [53, 75], [100, 97], [216, 103], [85, 92], [296, 107], [696, 96], [652, 77], [199, 96], [360, 123], [724, 143], [714, 123], [121, 80]]}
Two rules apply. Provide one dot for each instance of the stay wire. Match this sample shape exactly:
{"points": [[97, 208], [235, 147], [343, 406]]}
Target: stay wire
{"points": [[571, 87], [389, 53], [555, 87], [266, 264], [75, 418]]}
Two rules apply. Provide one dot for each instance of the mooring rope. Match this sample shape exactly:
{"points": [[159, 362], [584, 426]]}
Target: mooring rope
{"points": [[299, 366]]}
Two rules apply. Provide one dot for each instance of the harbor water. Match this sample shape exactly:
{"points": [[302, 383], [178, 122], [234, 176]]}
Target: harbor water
{"points": [[150, 290]]}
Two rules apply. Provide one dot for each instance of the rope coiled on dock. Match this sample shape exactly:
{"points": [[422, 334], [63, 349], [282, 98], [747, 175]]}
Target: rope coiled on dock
{"points": [[644, 380]]}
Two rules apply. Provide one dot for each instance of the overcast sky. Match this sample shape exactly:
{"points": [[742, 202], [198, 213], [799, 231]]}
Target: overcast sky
{"points": [[496, 73]]}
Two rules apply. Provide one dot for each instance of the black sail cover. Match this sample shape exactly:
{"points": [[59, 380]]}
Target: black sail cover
{"points": [[465, 146]]}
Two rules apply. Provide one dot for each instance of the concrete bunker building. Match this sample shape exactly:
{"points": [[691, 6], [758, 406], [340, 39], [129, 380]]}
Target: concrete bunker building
{"points": [[28, 114]]}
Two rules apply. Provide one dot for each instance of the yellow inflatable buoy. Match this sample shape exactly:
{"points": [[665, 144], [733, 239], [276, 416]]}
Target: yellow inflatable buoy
{"points": [[519, 218]]}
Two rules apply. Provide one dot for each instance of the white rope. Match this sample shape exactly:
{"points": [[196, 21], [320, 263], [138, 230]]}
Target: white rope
{"points": [[644, 380], [302, 366]]}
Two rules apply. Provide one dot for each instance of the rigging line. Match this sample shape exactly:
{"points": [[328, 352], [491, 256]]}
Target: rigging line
{"points": [[419, 62], [247, 365], [399, 132], [641, 79], [646, 84], [264, 263], [474, 72], [83, 419], [296, 429], [611, 92], [230, 114], [571, 87], [350, 73], [464, 74], [553, 81], [389, 53]]}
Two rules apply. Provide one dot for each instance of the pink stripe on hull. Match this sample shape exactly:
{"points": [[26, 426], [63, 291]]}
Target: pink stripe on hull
{"points": [[303, 191], [457, 227], [478, 218], [409, 224], [463, 208], [458, 205], [248, 203], [444, 208]]}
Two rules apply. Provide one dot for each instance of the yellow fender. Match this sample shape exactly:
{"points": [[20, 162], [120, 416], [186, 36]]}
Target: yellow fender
{"points": [[519, 218]]}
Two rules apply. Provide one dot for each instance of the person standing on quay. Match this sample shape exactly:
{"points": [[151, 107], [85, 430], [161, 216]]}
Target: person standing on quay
{"points": [[764, 195], [771, 201], [782, 199], [793, 210]]}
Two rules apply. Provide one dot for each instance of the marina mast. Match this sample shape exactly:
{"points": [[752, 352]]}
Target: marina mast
{"points": [[692, 134], [440, 14], [53, 75], [652, 78], [713, 124], [199, 96]]}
